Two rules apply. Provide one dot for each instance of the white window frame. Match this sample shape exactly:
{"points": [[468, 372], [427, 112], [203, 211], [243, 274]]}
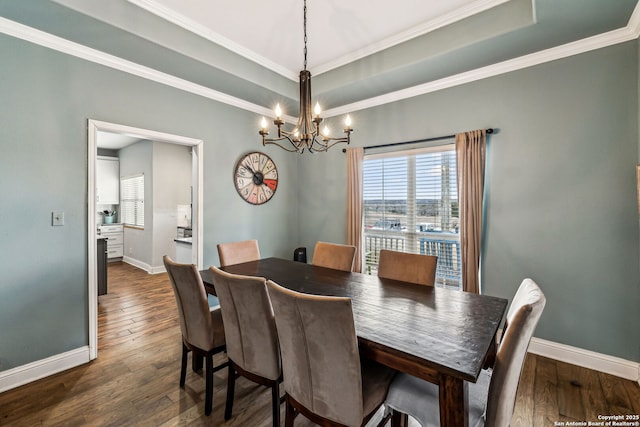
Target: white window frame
{"points": [[132, 198], [409, 239]]}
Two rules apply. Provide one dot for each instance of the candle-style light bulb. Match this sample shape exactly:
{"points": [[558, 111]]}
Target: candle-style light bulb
{"points": [[278, 111], [325, 131], [263, 123], [317, 109], [347, 121]]}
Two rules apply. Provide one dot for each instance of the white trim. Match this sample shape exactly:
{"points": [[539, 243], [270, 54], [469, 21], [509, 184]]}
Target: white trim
{"points": [[143, 265], [94, 126], [206, 33], [33, 371], [526, 61], [416, 31], [411, 33], [59, 44], [630, 32], [586, 358]]}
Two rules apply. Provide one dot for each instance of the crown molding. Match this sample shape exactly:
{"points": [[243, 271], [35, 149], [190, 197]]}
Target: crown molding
{"points": [[574, 48], [419, 30], [630, 32], [59, 44], [204, 32]]}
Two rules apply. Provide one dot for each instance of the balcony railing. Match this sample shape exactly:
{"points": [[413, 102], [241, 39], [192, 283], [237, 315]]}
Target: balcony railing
{"points": [[446, 246]]}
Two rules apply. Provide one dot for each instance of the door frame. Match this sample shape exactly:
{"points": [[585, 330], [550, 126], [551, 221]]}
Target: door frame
{"points": [[93, 127]]}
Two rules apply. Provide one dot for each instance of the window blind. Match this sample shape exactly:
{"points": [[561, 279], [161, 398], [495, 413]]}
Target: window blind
{"points": [[411, 205], [132, 200]]}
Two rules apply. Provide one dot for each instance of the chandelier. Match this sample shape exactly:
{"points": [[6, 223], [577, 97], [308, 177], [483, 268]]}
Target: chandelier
{"points": [[307, 132]]}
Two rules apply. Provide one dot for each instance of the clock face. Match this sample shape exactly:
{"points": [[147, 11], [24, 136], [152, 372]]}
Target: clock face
{"points": [[256, 178]]}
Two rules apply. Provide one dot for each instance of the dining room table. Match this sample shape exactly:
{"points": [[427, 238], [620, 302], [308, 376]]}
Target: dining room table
{"points": [[444, 336]]}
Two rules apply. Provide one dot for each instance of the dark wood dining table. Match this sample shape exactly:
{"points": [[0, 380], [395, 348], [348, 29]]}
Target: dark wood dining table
{"points": [[441, 335]]}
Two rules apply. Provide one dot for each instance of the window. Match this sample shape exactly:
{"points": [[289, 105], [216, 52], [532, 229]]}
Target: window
{"points": [[132, 200], [411, 205]]}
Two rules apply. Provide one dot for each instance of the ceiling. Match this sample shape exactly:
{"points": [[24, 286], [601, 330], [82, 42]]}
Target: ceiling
{"points": [[361, 53], [272, 32]]}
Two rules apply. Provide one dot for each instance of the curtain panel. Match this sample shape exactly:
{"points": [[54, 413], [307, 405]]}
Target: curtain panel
{"points": [[470, 158], [355, 156]]}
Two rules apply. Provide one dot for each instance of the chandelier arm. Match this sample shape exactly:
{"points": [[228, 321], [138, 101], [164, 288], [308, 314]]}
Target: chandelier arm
{"points": [[266, 142], [326, 145]]}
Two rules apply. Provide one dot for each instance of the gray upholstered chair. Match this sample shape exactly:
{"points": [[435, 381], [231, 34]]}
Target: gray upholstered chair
{"points": [[492, 398], [238, 252], [334, 255], [250, 330], [324, 378], [414, 268], [201, 326]]}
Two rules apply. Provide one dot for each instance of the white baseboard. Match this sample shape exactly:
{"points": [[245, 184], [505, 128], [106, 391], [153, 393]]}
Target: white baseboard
{"points": [[143, 265], [33, 371], [587, 359]]}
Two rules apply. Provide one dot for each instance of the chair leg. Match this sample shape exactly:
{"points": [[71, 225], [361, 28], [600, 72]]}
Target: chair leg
{"points": [[398, 419], [183, 367], [208, 398], [290, 414], [196, 363], [231, 386], [275, 404]]}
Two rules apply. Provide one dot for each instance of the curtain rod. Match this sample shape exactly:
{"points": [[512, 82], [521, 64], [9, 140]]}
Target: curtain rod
{"points": [[437, 138]]}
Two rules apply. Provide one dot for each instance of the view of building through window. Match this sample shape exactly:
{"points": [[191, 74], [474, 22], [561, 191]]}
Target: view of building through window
{"points": [[411, 205]]}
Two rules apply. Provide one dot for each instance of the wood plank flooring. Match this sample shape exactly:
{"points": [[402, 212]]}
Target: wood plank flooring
{"points": [[134, 381]]}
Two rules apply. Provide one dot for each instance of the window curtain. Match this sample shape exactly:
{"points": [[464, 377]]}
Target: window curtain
{"points": [[470, 158], [355, 156]]}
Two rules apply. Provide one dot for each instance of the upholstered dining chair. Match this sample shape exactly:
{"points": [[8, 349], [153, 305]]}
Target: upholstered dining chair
{"points": [[238, 252], [324, 378], [201, 326], [492, 397], [406, 267], [250, 330], [334, 255]]}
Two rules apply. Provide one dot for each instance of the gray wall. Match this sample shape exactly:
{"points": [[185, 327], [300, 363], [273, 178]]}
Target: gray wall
{"points": [[47, 98], [171, 187], [561, 195], [137, 159], [561, 203]]}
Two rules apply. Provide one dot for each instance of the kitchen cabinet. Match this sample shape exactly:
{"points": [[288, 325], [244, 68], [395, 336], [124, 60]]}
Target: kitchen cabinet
{"points": [[114, 233], [107, 180]]}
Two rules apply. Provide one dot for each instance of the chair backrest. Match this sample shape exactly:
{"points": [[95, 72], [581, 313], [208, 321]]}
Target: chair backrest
{"points": [[249, 325], [334, 255], [320, 358], [238, 252], [193, 308], [522, 318], [414, 268]]}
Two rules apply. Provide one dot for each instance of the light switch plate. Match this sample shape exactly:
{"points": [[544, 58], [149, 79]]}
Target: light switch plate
{"points": [[57, 218]]}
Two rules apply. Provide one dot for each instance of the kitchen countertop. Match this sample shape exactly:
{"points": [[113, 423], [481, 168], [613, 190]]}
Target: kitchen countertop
{"points": [[185, 240]]}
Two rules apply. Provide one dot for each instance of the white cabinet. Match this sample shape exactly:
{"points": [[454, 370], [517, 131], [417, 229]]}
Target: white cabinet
{"points": [[115, 239], [107, 180]]}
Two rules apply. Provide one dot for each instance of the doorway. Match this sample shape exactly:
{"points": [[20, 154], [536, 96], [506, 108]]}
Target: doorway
{"points": [[94, 128]]}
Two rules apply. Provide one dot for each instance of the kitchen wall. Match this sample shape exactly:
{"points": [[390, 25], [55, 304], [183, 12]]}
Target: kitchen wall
{"points": [[561, 202], [167, 171], [137, 159]]}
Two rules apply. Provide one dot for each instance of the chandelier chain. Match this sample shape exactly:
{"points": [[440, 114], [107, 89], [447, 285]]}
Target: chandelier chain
{"points": [[305, 34], [306, 135]]}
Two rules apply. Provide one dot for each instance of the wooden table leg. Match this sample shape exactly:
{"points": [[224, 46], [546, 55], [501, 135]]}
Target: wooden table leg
{"points": [[454, 403]]}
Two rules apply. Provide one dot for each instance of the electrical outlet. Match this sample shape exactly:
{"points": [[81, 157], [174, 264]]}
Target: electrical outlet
{"points": [[57, 218]]}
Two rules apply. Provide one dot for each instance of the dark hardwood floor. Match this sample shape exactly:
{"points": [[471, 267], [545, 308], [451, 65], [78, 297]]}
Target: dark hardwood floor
{"points": [[134, 381]]}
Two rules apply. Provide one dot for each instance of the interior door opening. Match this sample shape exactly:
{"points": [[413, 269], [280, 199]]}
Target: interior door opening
{"points": [[97, 131]]}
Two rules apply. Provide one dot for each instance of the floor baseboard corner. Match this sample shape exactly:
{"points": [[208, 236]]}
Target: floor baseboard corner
{"points": [[33, 371]]}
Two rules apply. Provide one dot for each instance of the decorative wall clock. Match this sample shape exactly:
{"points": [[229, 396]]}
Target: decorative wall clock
{"points": [[256, 178]]}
